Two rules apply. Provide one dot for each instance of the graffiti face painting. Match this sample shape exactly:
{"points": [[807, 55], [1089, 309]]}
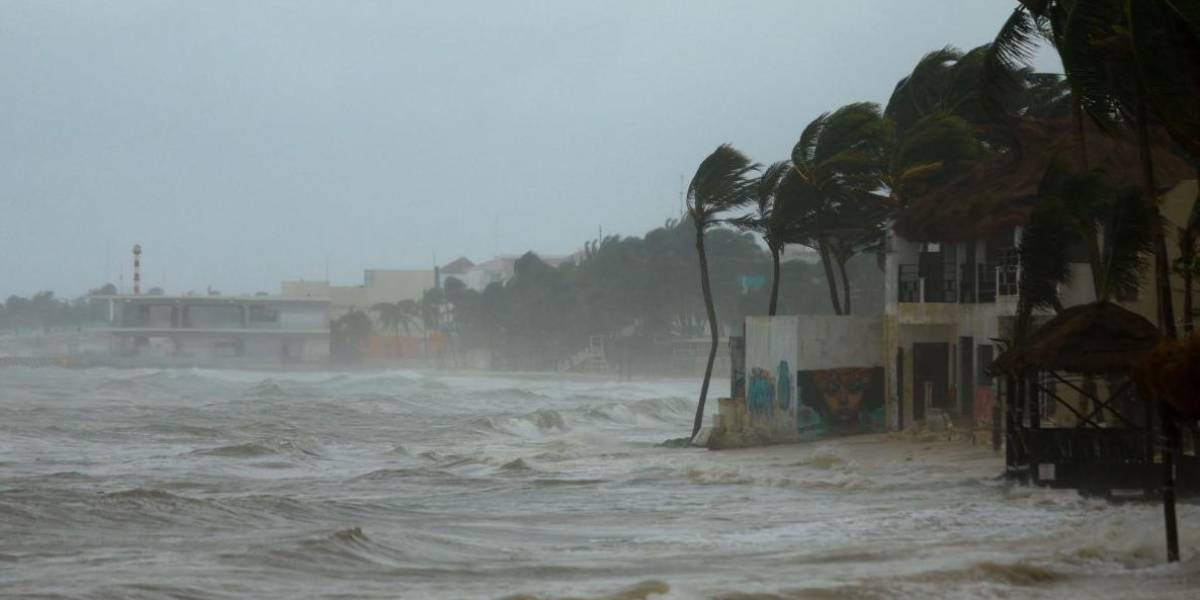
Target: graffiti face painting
{"points": [[847, 400], [842, 391]]}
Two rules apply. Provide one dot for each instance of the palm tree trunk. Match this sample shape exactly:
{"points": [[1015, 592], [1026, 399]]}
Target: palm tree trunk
{"points": [[775, 252], [1093, 242], [841, 260], [1162, 272], [712, 326], [1189, 313], [823, 250], [1080, 138], [1187, 256]]}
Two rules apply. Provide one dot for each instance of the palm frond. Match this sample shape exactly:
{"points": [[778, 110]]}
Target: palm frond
{"points": [[768, 182], [1045, 263], [805, 149], [1012, 50], [1128, 241], [722, 182]]}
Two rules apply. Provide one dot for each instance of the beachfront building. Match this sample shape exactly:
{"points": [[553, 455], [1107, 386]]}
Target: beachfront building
{"points": [[952, 277], [220, 330], [952, 282]]}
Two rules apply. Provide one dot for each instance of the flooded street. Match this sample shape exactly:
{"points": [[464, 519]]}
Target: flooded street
{"points": [[232, 484]]}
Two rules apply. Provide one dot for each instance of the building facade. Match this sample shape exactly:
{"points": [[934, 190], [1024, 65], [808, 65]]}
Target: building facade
{"points": [[220, 330], [949, 304]]}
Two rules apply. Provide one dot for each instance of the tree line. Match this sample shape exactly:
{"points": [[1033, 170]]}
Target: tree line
{"points": [[636, 291], [44, 312]]}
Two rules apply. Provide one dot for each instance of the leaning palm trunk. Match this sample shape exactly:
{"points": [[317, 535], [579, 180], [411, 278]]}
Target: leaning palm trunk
{"points": [[775, 252], [1189, 312], [1187, 264], [830, 278], [845, 284], [1187, 254], [712, 327], [1093, 238], [1162, 273]]}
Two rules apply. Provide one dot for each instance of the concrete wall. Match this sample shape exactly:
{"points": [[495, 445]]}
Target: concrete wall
{"points": [[805, 376], [303, 319], [304, 289], [772, 350], [345, 298]]}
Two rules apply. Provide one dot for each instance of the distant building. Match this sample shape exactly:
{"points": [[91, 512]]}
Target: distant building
{"points": [[221, 330], [394, 285], [379, 285], [497, 270]]}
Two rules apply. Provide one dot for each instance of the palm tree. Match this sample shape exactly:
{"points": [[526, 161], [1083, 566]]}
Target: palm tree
{"points": [[769, 222], [394, 315], [349, 333], [1073, 209], [1127, 60], [1188, 266], [829, 192], [722, 182]]}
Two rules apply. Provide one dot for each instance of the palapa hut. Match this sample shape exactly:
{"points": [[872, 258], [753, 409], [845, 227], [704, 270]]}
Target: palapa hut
{"points": [[1113, 444]]}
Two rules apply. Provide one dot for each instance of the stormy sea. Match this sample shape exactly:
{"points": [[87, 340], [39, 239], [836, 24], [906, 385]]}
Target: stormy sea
{"points": [[402, 484]]}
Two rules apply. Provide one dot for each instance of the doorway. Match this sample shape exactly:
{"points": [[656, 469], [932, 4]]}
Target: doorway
{"points": [[931, 377]]}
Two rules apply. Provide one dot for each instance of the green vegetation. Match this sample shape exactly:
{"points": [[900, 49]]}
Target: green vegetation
{"points": [[645, 290], [44, 312]]}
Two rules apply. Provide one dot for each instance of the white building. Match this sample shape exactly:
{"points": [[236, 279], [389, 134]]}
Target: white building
{"points": [[220, 330], [947, 303]]}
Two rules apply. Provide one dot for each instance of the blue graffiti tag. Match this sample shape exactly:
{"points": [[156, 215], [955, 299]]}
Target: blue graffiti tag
{"points": [[760, 393], [785, 386]]}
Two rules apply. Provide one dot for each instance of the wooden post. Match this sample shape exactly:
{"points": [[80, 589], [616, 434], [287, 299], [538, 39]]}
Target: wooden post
{"points": [[1012, 418], [1170, 442], [996, 426], [1033, 402]]}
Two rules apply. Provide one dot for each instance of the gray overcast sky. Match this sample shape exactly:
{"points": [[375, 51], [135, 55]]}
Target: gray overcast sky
{"points": [[246, 142]]}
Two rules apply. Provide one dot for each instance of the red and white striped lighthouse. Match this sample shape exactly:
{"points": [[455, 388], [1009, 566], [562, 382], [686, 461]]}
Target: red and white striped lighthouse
{"points": [[137, 269]]}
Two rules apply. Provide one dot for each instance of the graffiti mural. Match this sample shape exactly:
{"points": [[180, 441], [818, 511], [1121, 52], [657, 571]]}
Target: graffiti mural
{"points": [[784, 390], [760, 392], [840, 401]]}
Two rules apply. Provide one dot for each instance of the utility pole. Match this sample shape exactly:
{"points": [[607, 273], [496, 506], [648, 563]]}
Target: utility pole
{"points": [[682, 196]]}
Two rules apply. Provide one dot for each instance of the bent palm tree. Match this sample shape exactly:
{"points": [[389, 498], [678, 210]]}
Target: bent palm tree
{"points": [[1129, 60], [1073, 209], [836, 166], [394, 315], [349, 333], [769, 222], [721, 182]]}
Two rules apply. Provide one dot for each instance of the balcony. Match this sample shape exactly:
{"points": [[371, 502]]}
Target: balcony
{"points": [[950, 283], [923, 285]]}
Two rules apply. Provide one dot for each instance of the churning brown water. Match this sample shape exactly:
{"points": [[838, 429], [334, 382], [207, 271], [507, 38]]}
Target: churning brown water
{"points": [[221, 484]]}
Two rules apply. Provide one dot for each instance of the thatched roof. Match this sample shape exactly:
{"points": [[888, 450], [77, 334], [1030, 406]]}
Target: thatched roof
{"points": [[1003, 193], [1172, 372], [1093, 339]]}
